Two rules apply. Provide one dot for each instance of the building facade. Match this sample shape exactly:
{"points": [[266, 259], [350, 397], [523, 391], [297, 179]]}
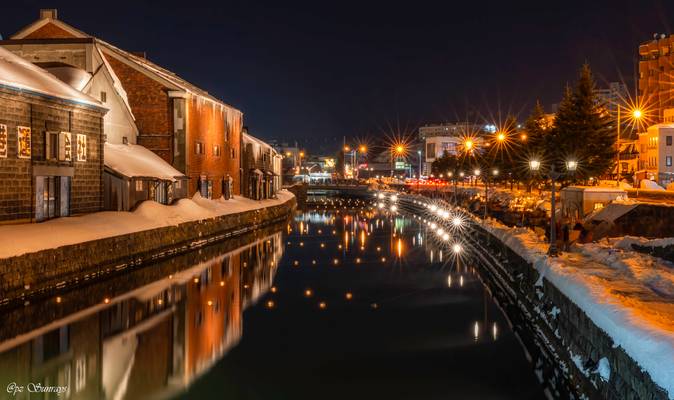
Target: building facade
{"points": [[194, 132], [615, 94], [656, 152], [656, 65], [259, 169], [51, 145]]}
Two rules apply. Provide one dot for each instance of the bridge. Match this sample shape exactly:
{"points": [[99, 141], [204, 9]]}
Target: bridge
{"points": [[303, 191]]}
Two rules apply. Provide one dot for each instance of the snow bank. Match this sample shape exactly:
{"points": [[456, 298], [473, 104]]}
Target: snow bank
{"points": [[21, 74], [28, 238], [650, 185], [627, 294], [133, 160], [625, 243]]}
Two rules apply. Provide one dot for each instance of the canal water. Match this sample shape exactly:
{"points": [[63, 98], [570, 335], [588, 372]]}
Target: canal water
{"points": [[346, 303]]}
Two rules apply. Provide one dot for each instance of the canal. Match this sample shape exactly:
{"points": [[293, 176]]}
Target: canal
{"points": [[342, 302]]}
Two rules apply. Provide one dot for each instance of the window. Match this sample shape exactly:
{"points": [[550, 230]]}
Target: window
{"points": [[233, 153], [51, 141], [199, 148], [668, 140], [81, 147], [3, 141], [24, 140], [216, 150], [178, 184], [430, 150], [668, 161], [104, 97], [139, 186]]}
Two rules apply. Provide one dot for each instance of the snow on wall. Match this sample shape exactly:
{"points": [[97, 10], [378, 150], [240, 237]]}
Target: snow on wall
{"points": [[18, 73], [627, 294]]}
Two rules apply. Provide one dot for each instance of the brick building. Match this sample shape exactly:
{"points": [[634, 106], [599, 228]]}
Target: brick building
{"points": [[196, 133], [260, 168], [51, 145]]}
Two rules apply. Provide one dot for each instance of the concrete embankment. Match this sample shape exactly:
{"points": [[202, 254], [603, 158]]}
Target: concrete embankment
{"points": [[33, 275], [571, 355]]}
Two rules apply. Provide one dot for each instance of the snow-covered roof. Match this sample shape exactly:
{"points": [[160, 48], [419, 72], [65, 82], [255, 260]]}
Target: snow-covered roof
{"points": [[663, 125], [133, 160], [161, 72], [73, 76], [17, 73], [148, 66]]}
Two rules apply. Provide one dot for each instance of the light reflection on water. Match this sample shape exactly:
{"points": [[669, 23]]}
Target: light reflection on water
{"points": [[150, 342], [360, 304]]}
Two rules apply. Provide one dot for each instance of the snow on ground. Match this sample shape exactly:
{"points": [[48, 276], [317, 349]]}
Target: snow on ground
{"points": [[28, 238], [650, 185], [626, 242], [627, 294]]}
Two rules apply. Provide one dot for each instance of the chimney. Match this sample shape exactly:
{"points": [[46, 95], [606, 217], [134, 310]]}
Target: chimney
{"points": [[49, 13], [140, 54]]}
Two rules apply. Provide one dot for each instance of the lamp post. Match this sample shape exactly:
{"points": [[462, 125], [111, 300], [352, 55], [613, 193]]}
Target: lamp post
{"points": [[396, 150], [636, 114], [494, 173], [419, 154], [571, 167]]}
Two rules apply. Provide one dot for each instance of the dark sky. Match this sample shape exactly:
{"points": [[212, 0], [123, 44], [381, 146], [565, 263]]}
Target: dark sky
{"points": [[318, 71]]}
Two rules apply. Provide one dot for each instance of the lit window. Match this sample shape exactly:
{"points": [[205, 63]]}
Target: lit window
{"points": [[216, 150], [199, 148], [668, 161], [81, 147], [139, 186]]}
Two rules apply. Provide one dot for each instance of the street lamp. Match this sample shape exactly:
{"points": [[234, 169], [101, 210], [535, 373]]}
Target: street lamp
{"points": [[571, 167], [419, 154], [635, 114]]}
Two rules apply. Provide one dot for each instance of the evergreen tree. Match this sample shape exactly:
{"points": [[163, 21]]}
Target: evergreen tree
{"points": [[536, 127], [446, 164], [582, 130]]}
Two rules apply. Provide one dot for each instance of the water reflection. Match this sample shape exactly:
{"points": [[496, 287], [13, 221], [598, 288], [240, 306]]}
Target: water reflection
{"points": [[150, 342]]}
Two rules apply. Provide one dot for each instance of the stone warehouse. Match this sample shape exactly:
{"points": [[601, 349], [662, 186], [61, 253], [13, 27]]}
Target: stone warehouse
{"points": [[191, 130], [51, 145]]}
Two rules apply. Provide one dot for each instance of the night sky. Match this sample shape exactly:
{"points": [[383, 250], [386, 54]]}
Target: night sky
{"points": [[315, 72]]}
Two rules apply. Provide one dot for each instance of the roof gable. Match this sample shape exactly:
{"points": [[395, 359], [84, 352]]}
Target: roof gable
{"points": [[17, 73], [48, 28]]}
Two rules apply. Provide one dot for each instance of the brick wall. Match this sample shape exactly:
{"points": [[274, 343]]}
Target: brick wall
{"points": [[43, 114], [151, 107], [48, 270], [50, 31], [208, 123]]}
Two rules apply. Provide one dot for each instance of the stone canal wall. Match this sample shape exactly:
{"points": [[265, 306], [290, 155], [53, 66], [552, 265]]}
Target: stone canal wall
{"points": [[562, 342], [41, 273]]}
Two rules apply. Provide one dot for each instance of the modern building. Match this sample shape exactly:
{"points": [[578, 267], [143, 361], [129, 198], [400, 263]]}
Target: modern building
{"points": [[656, 66], [51, 145], [656, 151], [448, 137], [615, 94], [451, 129], [196, 133]]}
